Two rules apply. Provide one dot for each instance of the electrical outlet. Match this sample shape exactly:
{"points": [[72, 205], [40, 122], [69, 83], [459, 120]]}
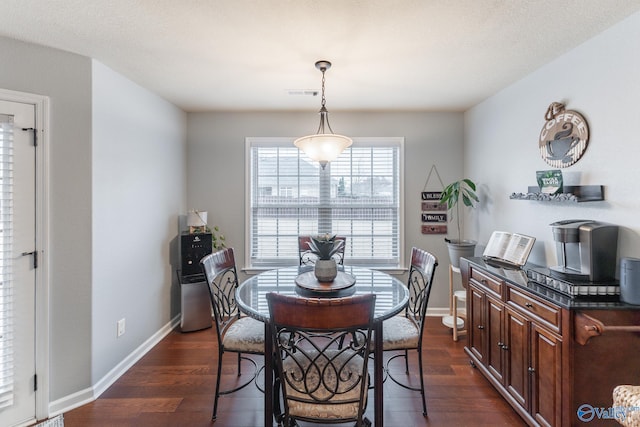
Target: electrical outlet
{"points": [[121, 327]]}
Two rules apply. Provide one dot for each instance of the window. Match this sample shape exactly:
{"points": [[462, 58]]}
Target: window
{"points": [[6, 258], [359, 196]]}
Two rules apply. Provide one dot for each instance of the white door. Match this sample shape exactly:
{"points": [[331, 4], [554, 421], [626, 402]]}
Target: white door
{"points": [[17, 263]]}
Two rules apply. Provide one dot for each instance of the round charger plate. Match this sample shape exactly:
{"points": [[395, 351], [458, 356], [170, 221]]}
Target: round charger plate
{"points": [[309, 282]]}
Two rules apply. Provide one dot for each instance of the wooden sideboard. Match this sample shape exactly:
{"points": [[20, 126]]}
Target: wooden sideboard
{"points": [[554, 358]]}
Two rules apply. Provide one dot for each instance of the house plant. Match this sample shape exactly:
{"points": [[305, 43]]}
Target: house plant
{"points": [[325, 246], [218, 241], [464, 189]]}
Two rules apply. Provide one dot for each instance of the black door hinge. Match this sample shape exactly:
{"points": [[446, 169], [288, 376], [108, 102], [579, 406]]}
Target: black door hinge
{"points": [[35, 382], [35, 135], [35, 257]]}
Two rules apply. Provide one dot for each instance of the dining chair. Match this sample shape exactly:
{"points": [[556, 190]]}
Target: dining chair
{"points": [[235, 333], [322, 381], [404, 332], [307, 257]]}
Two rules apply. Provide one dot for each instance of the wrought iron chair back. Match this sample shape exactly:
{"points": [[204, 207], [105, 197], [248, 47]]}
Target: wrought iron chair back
{"points": [[222, 277], [322, 351], [235, 334], [421, 272], [404, 332], [309, 258]]}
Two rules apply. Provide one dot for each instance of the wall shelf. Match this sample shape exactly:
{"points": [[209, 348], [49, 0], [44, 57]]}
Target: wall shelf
{"points": [[571, 194]]}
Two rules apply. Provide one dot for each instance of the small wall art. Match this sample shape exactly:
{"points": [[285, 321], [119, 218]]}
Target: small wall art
{"points": [[433, 213], [564, 136]]}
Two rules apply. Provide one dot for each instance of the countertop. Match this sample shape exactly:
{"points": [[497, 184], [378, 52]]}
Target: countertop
{"points": [[521, 277]]}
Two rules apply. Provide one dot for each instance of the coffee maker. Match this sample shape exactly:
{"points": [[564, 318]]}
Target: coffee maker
{"points": [[586, 250]]}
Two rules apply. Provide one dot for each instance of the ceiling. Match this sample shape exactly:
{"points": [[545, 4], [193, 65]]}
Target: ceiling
{"points": [[387, 55]]}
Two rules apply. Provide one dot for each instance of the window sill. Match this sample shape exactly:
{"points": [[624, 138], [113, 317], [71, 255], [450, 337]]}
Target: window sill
{"points": [[394, 271]]}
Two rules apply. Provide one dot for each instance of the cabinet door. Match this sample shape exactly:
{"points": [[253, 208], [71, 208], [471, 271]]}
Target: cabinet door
{"points": [[495, 341], [516, 348], [546, 376], [476, 329]]}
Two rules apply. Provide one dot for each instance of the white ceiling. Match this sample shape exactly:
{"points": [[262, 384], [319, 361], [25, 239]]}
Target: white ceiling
{"points": [[248, 54]]}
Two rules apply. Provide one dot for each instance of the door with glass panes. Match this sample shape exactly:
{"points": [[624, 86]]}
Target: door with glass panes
{"points": [[18, 261]]}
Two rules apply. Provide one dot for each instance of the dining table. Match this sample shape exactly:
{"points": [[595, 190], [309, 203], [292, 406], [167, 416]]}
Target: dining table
{"points": [[392, 296]]}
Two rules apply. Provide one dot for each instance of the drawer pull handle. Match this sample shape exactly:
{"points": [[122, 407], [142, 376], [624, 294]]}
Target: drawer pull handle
{"points": [[480, 326], [484, 282], [531, 370], [528, 305], [505, 347], [501, 344]]}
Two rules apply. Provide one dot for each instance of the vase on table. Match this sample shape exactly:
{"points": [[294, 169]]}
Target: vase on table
{"points": [[325, 270]]}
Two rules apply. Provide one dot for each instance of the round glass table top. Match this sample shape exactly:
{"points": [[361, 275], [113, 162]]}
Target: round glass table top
{"points": [[391, 294]]}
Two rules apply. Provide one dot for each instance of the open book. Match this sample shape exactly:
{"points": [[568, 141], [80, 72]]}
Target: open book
{"points": [[509, 248]]}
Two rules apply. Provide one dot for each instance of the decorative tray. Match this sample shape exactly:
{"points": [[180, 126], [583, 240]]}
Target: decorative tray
{"points": [[309, 282]]}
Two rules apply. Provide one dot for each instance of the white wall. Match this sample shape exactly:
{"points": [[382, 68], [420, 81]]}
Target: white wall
{"points": [[66, 79], [216, 149], [601, 80], [117, 186], [139, 162]]}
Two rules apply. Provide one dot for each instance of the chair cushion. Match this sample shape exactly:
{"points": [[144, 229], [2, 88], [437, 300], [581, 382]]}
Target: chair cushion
{"points": [[399, 333], [245, 335], [329, 407], [627, 397]]}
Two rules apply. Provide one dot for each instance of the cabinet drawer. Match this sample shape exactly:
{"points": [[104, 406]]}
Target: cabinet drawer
{"points": [[490, 282], [537, 309]]}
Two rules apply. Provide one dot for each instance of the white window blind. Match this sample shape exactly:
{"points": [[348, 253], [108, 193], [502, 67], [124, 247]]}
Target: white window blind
{"points": [[6, 292], [357, 196]]}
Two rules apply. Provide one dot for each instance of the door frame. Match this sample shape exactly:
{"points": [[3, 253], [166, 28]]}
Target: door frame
{"points": [[42, 106]]}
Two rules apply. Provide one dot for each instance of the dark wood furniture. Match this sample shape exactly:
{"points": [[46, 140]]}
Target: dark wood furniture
{"points": [[392, 297], [235, 333], [404, 331], [531, 343], [322, 353]]}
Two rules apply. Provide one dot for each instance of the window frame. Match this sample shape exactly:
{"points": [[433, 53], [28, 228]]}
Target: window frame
{"points": [[251, 142]]}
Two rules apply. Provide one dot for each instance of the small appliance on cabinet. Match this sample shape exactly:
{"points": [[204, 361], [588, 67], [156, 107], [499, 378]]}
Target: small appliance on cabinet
{"points": [[194, 292], [586, 250]]}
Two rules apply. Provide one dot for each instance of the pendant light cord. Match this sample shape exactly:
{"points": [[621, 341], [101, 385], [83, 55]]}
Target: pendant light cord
{"points": [[324, 114]]}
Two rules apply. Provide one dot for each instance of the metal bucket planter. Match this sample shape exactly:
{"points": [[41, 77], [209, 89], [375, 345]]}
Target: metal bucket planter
{"points": [[460, 248]]}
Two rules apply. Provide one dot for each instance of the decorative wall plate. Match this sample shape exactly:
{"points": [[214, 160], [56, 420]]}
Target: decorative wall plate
{"points": [[564, 136]]}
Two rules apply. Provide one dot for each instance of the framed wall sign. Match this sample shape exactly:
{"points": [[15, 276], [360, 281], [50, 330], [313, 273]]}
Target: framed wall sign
{"points": [[564, 136], [433, 213]]}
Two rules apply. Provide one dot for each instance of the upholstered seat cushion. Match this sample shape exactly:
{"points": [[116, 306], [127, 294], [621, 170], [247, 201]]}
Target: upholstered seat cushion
{"points": [[627, 398], [399, 333], [327, 406], [245, 335]]}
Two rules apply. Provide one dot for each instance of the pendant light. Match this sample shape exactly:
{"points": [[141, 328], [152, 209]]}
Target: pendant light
{"points": [[323, 146]]}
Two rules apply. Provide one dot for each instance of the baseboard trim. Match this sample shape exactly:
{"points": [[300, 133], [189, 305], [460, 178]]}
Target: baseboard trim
{"points": [[90, 394], [438, 311]]}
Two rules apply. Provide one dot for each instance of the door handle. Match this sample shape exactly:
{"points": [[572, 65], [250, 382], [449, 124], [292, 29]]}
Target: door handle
{"points": [[35, 257]]}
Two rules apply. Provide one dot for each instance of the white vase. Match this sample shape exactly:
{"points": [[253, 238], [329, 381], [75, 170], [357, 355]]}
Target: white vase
{"points": [[326, 270]]}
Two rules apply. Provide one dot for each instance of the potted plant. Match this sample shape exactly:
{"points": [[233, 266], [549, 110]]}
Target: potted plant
{"points": [[464, 189], [325, 246], [218, 241]]}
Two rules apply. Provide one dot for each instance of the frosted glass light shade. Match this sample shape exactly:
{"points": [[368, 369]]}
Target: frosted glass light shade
{"points": [[197, 218], [323, 147]]}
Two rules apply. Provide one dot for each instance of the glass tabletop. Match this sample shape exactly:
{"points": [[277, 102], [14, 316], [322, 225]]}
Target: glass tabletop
{"points": [[391, 294]]}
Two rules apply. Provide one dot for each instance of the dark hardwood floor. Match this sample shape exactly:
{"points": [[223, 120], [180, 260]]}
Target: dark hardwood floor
{"points": [[173, 385]]}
